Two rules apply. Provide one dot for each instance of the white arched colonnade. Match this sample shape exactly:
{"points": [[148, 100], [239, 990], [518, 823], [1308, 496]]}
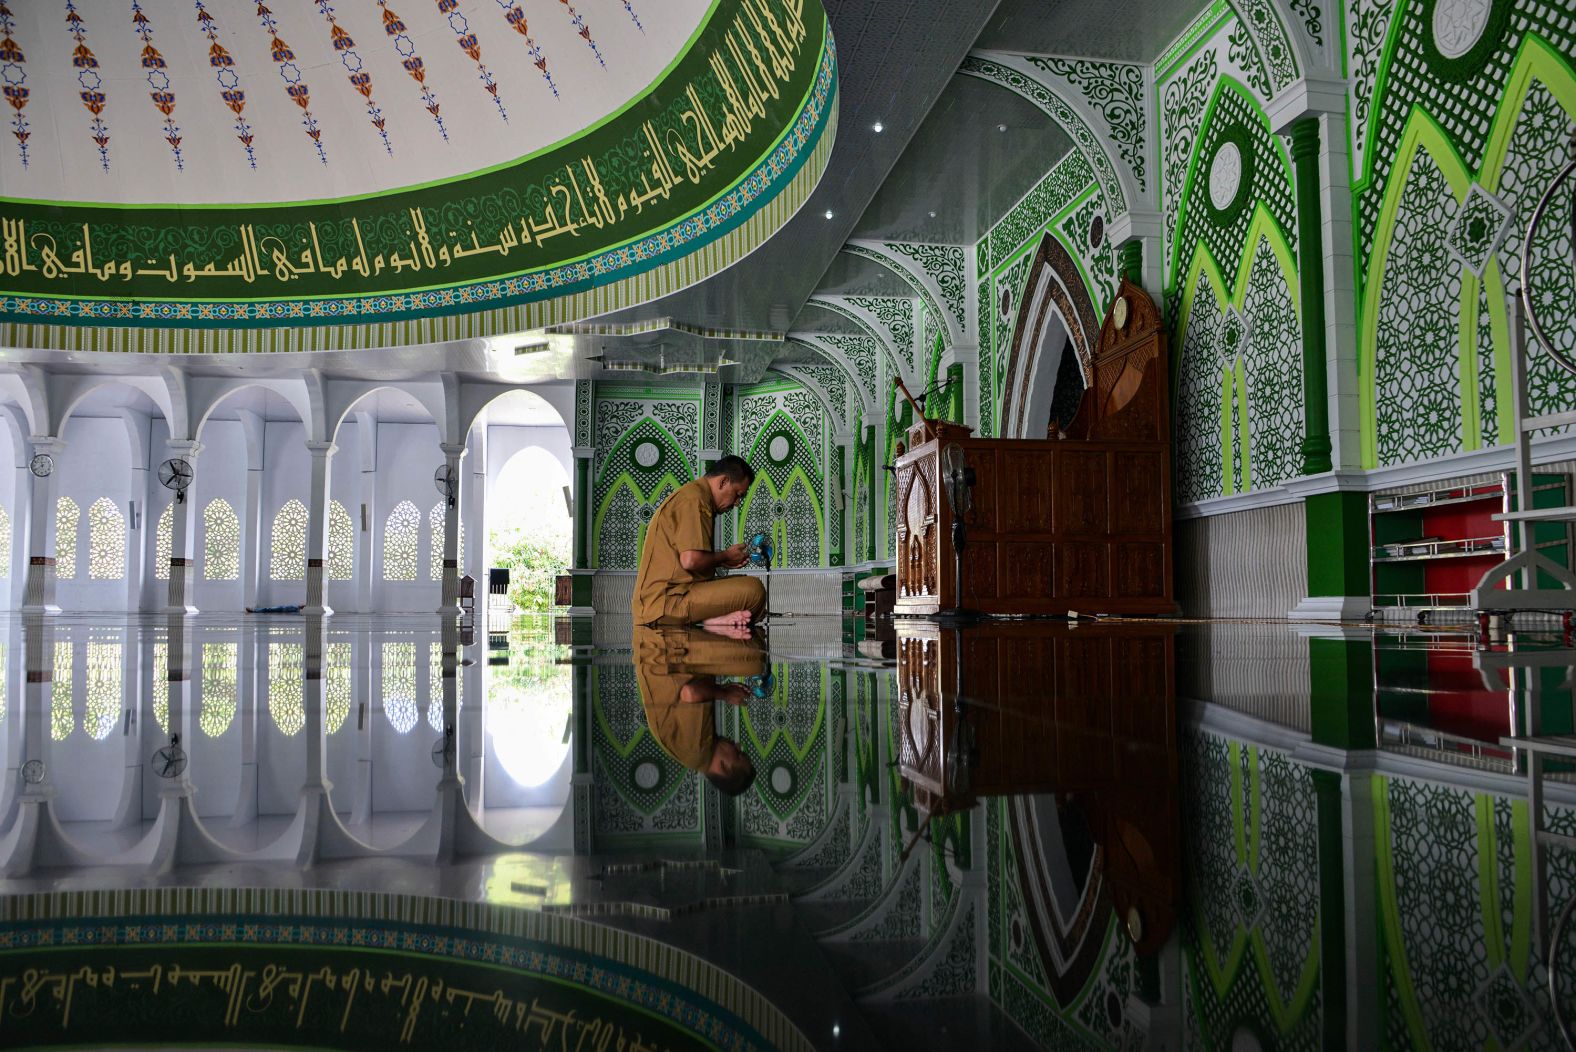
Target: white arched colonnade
{"points": [[307, 489]]}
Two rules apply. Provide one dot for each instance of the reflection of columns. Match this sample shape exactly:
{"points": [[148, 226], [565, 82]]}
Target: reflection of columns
{"points": [[183, 536], [473, 729], [252, 511], [317, 530], [38, 594], [453, 453], [362, 688], [15, 722], [133, 692], [367, 520], [247, 703], [581, 785], [182, 665], [33, 794]]}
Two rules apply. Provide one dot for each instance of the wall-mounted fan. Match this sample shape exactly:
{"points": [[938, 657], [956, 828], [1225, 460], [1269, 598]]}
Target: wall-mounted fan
{"points": [[170, 761], [447, 480], [176, 475]]}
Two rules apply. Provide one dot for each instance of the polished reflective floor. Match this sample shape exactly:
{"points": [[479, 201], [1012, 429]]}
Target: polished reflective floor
{"points": [[1011, 835]]}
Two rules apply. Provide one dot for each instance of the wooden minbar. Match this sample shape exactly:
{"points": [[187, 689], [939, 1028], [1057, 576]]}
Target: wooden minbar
{"points": [[1078, 522]]}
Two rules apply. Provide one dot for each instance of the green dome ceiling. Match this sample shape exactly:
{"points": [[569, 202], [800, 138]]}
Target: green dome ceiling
{"points": [[331, 176]]}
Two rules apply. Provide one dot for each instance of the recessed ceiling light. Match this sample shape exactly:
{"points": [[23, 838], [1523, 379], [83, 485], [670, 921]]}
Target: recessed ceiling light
{"points": [[879, 127], [829, 213], [932, 215], [1001, 127]]}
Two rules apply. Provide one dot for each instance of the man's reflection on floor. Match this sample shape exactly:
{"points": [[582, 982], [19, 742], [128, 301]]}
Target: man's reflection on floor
{"points": [[681, 672]]}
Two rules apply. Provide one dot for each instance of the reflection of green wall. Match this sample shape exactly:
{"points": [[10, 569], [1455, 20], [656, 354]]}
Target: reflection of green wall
{"points": [[1250, 922], [788, 737], [621, 746]]}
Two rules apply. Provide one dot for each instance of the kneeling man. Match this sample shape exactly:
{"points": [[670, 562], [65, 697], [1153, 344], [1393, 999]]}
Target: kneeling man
{"points": [[676, 583]]}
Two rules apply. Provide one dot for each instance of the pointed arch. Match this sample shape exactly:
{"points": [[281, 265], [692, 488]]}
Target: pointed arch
{"points": [[221, 542], [401, 541], [67, 518], [435, 542], [1054, 284], [106, 541], [287, 543], [162, 543], [341, 543], [5, 543]]}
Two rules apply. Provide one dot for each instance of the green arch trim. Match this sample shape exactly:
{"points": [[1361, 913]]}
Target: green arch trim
{"points": [[1196, 160], [1249, 944], [1536, 62], [1263, 228]]}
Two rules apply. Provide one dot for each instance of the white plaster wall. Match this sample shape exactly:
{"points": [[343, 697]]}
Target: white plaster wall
{"points": [[220, 474], [12, 458], [408, 454], [287, 475], [96, 463]]}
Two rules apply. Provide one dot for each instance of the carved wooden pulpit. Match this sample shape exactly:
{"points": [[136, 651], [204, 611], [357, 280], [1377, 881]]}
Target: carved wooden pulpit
{"points": [[1081, 522]]}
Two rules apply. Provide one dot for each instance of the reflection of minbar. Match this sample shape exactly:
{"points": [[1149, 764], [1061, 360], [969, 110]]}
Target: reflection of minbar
{"points": [[1082, 717], [1077, 523]]}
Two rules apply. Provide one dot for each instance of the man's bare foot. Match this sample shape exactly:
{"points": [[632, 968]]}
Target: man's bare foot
{"points": [[741, 633], [738, 617]]}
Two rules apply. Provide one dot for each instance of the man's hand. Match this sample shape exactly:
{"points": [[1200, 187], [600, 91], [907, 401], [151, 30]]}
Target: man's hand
{"points": [[736, 694], [736, 556]]}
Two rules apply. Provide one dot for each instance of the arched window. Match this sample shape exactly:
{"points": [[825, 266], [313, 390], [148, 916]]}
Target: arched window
{"points": [[218, 688], [5, 544], [67, 517], [161, 543], [287, 561], [161, 685], [285, 677], [337, 686], [221, 542], [62, 721], [399, 684], [341, 543], [435, 542], [401, 534], [106, 541], [435, 687], [104, 690]]}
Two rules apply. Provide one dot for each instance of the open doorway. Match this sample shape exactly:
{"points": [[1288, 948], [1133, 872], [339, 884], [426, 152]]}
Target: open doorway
{"points": [[529, 525]]}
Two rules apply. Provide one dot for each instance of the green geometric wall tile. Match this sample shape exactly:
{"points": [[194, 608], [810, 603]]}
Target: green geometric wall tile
{"points": [[1417, 402]]}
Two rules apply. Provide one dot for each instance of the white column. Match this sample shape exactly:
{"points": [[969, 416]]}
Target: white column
{"points": [[367, 515], [38, 594], [183, 536], [21, 505], [252, 428], [475, 518], [138, 437], [453, 453], [322, 454]]}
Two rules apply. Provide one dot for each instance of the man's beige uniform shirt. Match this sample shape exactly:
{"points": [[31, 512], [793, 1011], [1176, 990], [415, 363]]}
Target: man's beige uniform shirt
{"points": [[681, 524]]}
